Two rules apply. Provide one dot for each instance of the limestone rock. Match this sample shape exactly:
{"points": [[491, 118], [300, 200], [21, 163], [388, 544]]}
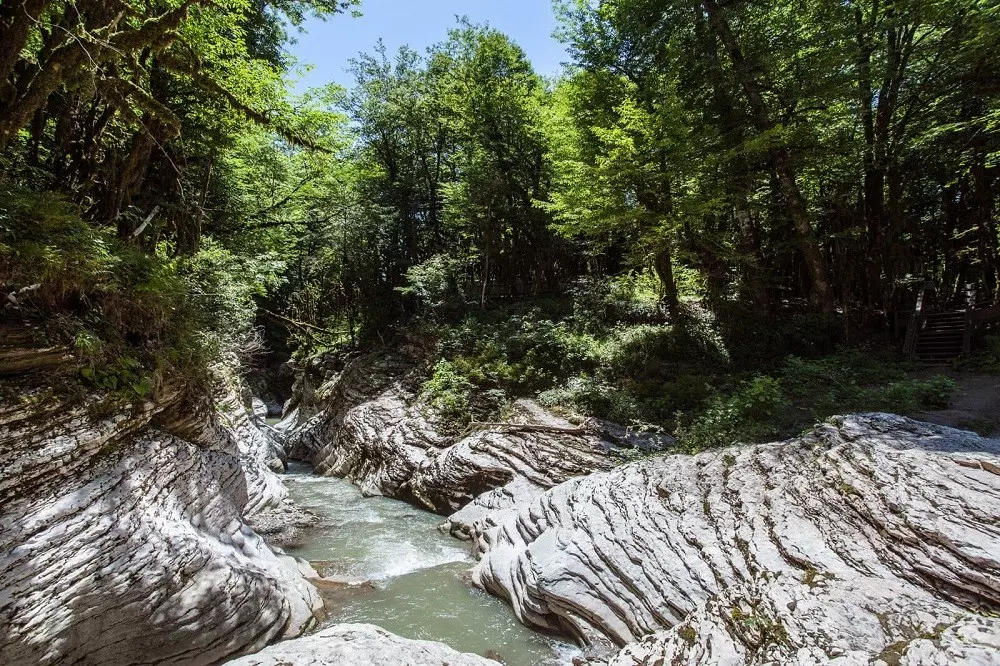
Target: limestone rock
{"points": [[360, 645], [789, 620], [373, 432], [871, 535], [123, 540], [257, 453]]}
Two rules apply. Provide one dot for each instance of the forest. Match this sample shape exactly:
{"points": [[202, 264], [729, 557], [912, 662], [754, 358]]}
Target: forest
{"points": [[716, 222]]}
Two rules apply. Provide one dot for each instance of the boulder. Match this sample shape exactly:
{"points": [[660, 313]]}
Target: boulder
{"points": [[360, 645], [870, 536]]}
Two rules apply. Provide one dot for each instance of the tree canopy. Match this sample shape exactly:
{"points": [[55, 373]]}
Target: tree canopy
{"points": [[823, 157]]}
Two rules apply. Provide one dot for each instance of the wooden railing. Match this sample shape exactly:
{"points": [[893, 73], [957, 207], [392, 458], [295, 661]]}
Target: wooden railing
{"points": [[916, 321]]}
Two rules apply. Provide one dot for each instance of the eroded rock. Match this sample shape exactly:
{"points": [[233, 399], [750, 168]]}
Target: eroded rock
{"points": [[360, 645], [374, 432], [122, 537], [873, 533]]}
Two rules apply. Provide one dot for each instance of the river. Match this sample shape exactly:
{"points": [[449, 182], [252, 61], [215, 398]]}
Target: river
{"points": [[410, 575]]}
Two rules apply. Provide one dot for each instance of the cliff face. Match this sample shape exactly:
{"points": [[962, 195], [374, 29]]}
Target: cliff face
{"points": [[123, 537], [872, 537]]}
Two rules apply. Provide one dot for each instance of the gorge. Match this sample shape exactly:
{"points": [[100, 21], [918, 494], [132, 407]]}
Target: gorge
{"points": [[129, 538], [575, 332]]}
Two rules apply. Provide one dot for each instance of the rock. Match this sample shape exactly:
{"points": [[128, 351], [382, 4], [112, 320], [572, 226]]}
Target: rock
{"points": [[793, 621], [373, 432], [259, 411], [284, 525], [360, 645], [122, 537], [368, 431], [871, 536], [257, 452]]}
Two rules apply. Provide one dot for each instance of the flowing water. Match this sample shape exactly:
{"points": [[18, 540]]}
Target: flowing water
{"points": [[410, 577]]}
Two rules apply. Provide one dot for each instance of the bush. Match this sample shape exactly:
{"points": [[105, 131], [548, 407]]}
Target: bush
{"points": [[522, 353], [449, 393], [750, 414], [855, 380], [438, 284], [44, 242], [626, 299], [133, 317], [588, 396], [987, 358]]}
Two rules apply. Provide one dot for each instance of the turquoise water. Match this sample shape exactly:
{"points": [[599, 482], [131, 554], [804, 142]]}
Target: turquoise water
{"points": [[410, 578]]}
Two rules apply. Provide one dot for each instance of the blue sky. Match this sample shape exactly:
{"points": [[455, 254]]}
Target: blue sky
{"points": [[419, 23]]}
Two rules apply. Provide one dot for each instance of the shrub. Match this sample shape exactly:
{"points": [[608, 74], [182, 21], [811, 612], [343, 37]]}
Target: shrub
{"points": [[449, 393], [522, 353], [987, 358], [588, 396], [132, 316], [854, 380], [626, 299], [437, 283], [748, 415]]}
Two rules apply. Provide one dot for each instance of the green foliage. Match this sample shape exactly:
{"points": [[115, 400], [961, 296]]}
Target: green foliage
{"points": [[437, 284], [630, 298], [805, 392], [987, 357], [747, 415], [45, 242], [133, 318], [590, 396], [855, 380], [449, 393], [126, 376]]}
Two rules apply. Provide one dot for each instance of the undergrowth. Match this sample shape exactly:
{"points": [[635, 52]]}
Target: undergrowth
{"points": [[136, 318], [610, 353]]}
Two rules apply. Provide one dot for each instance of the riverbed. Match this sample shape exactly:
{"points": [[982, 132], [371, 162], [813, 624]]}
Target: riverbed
{"points": [[404, 575]]}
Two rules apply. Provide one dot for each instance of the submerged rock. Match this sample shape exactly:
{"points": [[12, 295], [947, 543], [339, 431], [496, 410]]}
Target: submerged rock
{"points": [[360, 645], [122, 537], [873, 536]]}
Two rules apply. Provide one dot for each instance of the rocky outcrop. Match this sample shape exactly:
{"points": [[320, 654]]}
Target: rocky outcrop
{"points": [[871, 537], [360, 645], [373, 431], [816, 620], [122, 534]]}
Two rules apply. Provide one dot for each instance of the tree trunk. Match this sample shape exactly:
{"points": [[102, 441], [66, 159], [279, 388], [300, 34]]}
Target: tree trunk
{"points": [[16, 19], [664, 267], [821, 292], [749, 245]]}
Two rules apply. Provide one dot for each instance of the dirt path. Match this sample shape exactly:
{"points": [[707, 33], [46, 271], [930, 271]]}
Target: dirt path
{"points": [[975, 406]]}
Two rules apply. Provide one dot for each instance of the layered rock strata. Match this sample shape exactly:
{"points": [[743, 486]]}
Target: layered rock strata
{"points": [[360, 645], [872, 537], [373, 431], [123, 539]]}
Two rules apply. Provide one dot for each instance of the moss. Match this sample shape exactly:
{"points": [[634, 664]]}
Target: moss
{"points": [[688, 634], [811, 577], [846, 489]]}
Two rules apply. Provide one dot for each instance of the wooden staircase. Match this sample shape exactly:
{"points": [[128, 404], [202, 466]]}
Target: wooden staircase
{"points": [[941, 337], [936, 337]]}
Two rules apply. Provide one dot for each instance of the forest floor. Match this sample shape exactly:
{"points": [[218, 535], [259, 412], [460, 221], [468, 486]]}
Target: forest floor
{"points": [[974, 406]]}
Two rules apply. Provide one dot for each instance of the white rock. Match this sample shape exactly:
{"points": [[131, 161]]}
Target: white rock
{"points": [[114, 539], [872, 533], [360, 645]]}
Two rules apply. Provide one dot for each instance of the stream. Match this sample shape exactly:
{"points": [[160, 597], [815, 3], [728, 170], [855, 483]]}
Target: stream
{"points": [[409, 576]]}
